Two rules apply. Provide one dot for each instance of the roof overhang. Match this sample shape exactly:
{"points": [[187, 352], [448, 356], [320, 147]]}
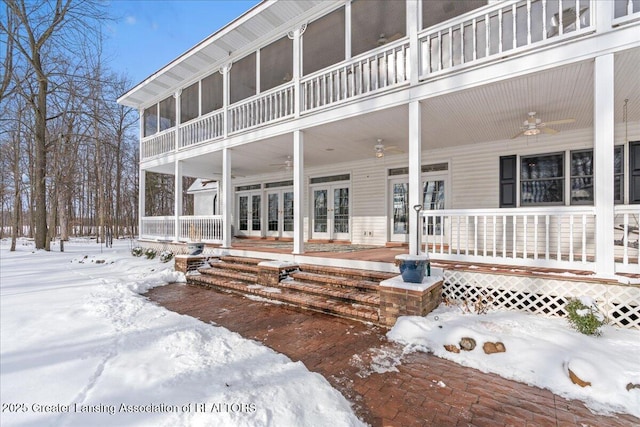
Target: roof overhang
{"points": [[269, 19]]}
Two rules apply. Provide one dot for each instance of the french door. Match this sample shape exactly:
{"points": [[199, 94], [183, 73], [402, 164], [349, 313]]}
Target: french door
{"points": [[434, 196], [249, 222], [279, 213], [330, 212]]}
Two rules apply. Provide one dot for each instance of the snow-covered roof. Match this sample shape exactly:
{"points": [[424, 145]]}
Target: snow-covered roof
{"points": [[202, 185]]}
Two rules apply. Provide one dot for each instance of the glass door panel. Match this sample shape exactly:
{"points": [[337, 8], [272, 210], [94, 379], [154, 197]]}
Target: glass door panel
{"points": [[243, 213], [320, 211], [340, 213], [433, 193], [288, 211], [255, 213], [400, 208], [272, 212]]}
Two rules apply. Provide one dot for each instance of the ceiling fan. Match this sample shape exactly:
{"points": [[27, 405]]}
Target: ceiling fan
{"points": [[534, 126], [287, 165], [380, 149]]}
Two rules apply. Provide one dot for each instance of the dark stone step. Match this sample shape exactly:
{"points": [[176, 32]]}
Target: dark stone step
{"points": [[242, 260], [295, 298], [247, 268], [226, 274], [342, 294], [349, 273], [339, 281]]}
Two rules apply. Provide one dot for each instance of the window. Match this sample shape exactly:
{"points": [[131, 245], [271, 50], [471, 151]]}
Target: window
{"points": [[189, 103], [242, 79], [374, 23], [437, 11], [542, 179], [167, 114], [276, 64], [582, 177], [211, 87], [324, 42], [151, 120]]}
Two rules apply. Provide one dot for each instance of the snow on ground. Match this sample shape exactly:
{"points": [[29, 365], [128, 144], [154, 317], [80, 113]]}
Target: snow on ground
{"points": [[79, 346], [539, 352]]}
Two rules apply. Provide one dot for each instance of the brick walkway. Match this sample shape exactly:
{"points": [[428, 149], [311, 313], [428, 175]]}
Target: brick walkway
{"points": [[422, 390]]}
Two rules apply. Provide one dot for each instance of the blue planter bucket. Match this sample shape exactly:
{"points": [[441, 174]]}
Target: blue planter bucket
{"points": [[413, 271], [195, 248]]}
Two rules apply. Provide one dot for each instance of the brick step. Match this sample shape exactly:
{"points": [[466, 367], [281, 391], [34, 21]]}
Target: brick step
{"points": [[241, 260], [367, 298], [362, 285], [349, 273], [298, 299], [226, 274], [233, 266]]}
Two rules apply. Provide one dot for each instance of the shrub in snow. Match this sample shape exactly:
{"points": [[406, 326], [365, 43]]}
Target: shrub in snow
{"points": [[584, 316], [150, 253], [137, 251], [166, 256]]}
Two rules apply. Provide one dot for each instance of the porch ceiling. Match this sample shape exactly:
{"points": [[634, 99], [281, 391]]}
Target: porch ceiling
{"points": [[492, 112]]}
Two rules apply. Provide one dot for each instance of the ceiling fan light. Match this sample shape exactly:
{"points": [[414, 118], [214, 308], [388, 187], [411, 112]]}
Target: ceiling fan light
{"points": [[380, 154], [531, 131]]}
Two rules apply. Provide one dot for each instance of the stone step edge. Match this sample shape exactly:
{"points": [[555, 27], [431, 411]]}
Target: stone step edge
{"points": [[339, 281], [372, 299], [242, 260], [227, 274], [351, 273], [299, 299], [232, 266]]}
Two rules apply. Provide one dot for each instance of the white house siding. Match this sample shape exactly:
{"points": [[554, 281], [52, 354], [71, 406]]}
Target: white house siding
{"points": [[203, 203]]}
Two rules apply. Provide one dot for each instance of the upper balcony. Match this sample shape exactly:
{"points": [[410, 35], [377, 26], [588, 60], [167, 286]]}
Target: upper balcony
{"points": [[266, 86]]}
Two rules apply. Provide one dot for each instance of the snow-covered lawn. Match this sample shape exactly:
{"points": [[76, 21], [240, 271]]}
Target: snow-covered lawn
{"points": [[79, 346]]}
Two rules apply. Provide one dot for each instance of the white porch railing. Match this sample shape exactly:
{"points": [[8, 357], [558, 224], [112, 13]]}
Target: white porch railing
{"points": [[261, 109], [552, 237], [504, 27], [157, 144], [626, 235], [382, 68], [207, 228], [206, 128], [157, 228]]}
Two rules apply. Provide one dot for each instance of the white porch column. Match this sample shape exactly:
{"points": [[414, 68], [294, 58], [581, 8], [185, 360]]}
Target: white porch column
{"points": [[298, 192], [603, 157], [413, 27], [227, 198], [141, 177], [296, 36], [142, 174], [224, 70], [415, 184], [177, 204]]}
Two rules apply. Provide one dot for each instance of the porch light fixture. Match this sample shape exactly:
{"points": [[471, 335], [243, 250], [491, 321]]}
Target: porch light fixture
{"points": [[382, 39], [379, 151]]}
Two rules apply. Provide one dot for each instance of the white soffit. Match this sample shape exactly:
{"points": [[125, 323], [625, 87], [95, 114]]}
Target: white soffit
{"points": [[241, 36]]}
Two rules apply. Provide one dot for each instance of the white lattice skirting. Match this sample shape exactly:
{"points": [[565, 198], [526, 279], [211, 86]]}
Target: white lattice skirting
{"points": [[620, 303]]}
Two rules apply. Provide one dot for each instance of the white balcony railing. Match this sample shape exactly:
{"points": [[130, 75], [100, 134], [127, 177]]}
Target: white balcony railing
{"points": [[553, 237], [626, 235], [261, 109], [383, 68], [157, 144], [207, 228], [206, 128], [157, 228], [499, 29]]}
